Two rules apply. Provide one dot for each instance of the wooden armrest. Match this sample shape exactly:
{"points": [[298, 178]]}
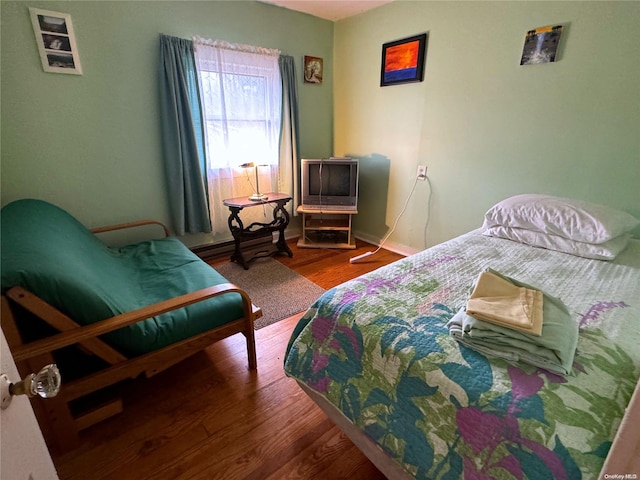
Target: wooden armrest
{"points": [[139, 223], [85, 332]]}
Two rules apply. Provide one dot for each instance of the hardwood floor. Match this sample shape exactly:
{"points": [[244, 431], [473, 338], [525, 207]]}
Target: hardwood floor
{"points": [[210, 417]]}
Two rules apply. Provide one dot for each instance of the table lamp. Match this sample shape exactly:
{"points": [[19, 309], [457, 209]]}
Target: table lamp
{"points": [[256, 197]]}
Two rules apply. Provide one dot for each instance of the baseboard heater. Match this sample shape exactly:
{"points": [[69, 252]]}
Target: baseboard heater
{"points": [[216, 250]]}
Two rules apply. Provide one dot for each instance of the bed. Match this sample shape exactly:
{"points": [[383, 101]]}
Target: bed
{"points": [[376, 354]]}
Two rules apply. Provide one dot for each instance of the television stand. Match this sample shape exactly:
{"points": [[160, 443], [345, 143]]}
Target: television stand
{"points": [[326, 228]]}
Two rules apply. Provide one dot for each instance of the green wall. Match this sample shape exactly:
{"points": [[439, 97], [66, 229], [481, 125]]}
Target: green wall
{"points": [[487, 127], [91, 143]]}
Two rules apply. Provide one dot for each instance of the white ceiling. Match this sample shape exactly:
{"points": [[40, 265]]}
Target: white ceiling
{"points": [[329, 9]]}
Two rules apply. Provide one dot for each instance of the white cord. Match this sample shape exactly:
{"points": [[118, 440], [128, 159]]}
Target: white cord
{"points": [[406, 203], [426, 225], [415, 182], [320, 179]]}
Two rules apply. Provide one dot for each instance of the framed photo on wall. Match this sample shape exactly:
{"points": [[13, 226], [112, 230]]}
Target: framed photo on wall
{"points": [[312, 69], [403, 61], [56, 41]]}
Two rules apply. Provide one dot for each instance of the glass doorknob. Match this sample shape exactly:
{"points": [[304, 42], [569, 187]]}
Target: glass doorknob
{"points": [[45, 383]]}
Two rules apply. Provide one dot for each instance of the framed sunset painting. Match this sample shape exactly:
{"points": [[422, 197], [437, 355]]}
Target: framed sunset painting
{"points": [[403, 61]]}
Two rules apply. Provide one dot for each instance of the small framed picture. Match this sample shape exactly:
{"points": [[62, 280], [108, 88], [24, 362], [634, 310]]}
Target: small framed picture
{"points": [[312, 70], [403, 61], [56, 41], [541, 45]]}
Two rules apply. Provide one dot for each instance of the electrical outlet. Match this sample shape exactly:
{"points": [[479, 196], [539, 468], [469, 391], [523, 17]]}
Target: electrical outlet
{"points": [[422, 172]]}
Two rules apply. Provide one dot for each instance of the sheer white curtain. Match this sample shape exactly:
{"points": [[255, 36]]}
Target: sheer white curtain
{"points": [[241, 94]]}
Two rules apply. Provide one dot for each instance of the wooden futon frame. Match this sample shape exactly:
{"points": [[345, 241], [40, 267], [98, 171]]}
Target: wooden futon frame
{"points": [[59, 424]]}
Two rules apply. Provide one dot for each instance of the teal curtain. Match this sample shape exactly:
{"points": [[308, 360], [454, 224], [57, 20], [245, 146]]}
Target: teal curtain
{"points": [[289, 161], [183, 137]]}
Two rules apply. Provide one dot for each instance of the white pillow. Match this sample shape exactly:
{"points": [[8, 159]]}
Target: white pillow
{"points": [[573, 219], [600, 251]]}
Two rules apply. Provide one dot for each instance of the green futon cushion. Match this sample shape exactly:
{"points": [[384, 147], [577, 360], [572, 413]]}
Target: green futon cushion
{"points": [[48, 252]]}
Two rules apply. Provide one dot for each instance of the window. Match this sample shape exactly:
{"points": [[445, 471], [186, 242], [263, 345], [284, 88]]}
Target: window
{"points": [[241, 103]]}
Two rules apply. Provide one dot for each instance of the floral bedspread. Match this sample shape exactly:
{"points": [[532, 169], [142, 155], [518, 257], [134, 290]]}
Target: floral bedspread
{"points": [[377, 349]]}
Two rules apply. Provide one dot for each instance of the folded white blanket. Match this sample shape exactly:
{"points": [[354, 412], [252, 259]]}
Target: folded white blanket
{"points": [[496, 300]]}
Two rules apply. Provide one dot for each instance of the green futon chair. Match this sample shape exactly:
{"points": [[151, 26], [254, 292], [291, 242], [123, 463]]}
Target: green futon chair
{"points": [[139, 308]]}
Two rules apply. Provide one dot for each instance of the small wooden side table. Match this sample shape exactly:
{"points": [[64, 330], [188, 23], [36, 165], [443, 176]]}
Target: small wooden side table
{"points": [[242, 234]]}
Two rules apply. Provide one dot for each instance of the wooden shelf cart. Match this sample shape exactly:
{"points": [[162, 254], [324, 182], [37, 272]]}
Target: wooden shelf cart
{"points": [[326, 228]]}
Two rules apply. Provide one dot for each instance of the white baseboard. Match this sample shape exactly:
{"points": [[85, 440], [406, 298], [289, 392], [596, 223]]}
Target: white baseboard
{"points": [[391, 246], [290, 233], [296, 232]]}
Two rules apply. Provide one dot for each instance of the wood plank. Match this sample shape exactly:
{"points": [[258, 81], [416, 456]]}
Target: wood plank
{"points": [[61, 322], [98, 414], [209, 417], [139, 223], [70, 337]]}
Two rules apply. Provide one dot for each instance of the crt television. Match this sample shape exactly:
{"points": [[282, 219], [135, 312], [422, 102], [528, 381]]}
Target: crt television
{"points": [[330, 182]]}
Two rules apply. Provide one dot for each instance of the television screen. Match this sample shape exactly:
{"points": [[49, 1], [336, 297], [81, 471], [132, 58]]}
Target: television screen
{"points": [[330, 180]]}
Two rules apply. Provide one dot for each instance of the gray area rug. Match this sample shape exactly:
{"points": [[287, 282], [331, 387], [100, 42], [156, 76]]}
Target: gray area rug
{"points": [[277, 290]]}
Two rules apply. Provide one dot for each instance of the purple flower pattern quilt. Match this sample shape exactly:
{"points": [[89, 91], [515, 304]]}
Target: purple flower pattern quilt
{"points": [[377, 349]]}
